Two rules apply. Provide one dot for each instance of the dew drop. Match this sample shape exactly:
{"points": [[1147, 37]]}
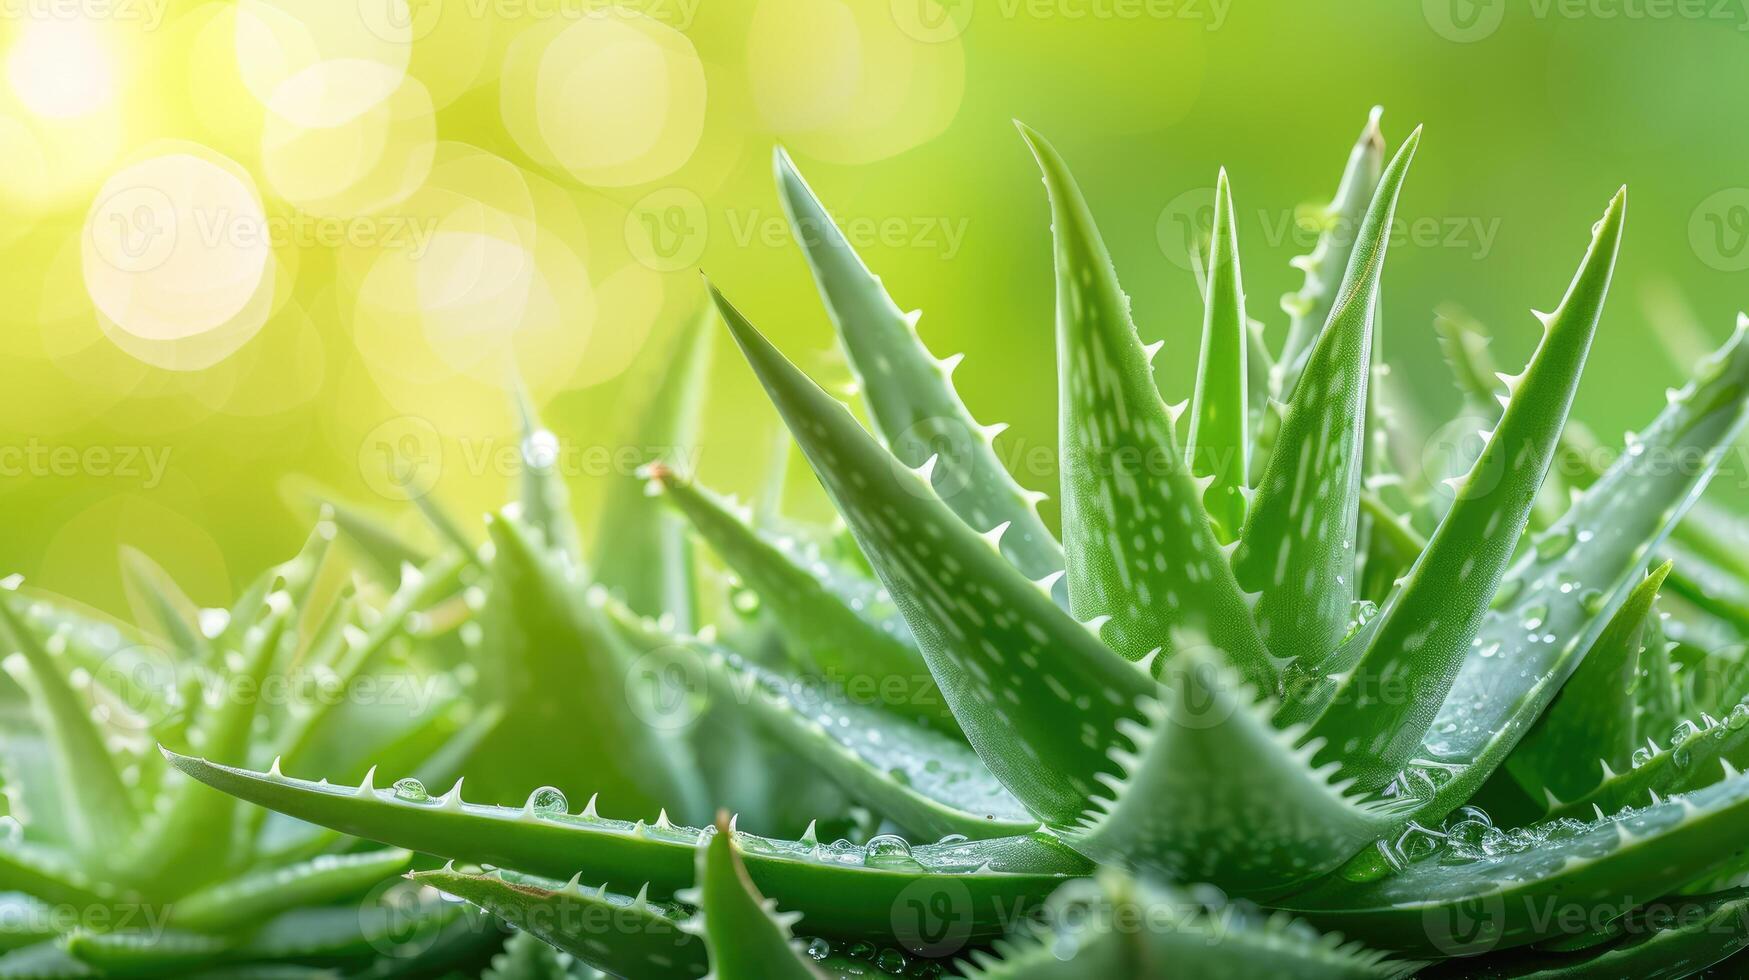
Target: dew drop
{"points": [[819, 949], [411, 791], [548, 799]]}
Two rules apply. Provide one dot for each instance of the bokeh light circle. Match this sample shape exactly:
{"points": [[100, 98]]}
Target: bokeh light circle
{"points": [[176, 249], [614, 98]]}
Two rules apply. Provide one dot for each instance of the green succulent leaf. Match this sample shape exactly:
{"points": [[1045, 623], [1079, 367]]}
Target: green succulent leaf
{"points": [[1670, 938], [837, 621], [1187, 812], [747, 937], [1298, 546], [43, 961], [837, 887], [95, 801], [1593, 716], [563, 665], [910, 393], [146, 953], [1309, 308], [191, 838], [1123, 471], [1424, 631], [261, 894], [1461, 903], [545, 500], [173, 612], [1113, 926], [1570, 585], [925, 781], [1006, 658], [1219, 443], [643, 939], [642, 552], [526, 957]]}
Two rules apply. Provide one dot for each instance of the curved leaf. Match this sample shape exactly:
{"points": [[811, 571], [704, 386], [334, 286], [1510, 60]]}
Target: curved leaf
{"points": [[910, 393], [1298, 546], [1187, 812], [1397, 671], [1139, 547], [747, 937], [836, 887], [1005, 657]]}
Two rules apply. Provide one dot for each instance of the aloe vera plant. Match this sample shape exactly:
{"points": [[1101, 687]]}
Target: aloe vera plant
{"points": [[1269, 704], [114, 863]]}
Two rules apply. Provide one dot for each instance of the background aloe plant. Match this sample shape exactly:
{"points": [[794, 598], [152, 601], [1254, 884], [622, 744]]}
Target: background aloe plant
{"points": [[114, 863], [1273, 688]]}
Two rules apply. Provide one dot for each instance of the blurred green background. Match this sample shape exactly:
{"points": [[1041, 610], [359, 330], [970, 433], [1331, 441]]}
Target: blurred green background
{"points": [[250, 245]]}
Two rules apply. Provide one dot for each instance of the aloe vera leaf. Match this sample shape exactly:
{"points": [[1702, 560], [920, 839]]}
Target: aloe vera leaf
{"points": [[24, 921], [1593, 715], [43, 961], [397, 923], [642, 552], [1005, 657], [1219, 443], [418, 588], [1706, 585], [1601, 544], [641, 938], [94, 799], [1452, 905], [1123, 470], [154, 953], [265, 892], [570, 687], [527, 958], [1670, 938], [1709, 750], [833, 886], [926, 782], [444, 524], [384, 550], [1309, 308], [1422, 635], [46, 961], [1298, 546], [748, 938], [1186, 812], [545, 500], [32, 782], [841, 623], [1393, 544], [1657, 700], [190, 839], [173, 611], [52, 875], [1259, 368], [910, 393], [1095, 928]]}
